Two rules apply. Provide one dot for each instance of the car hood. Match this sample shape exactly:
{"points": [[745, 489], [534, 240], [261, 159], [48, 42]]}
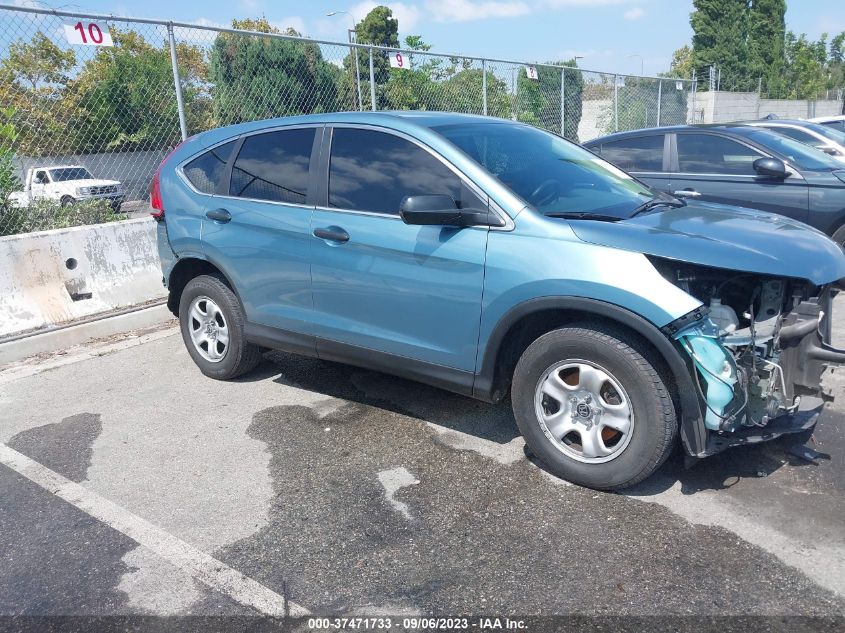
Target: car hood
{"points": [[88, 182], [724, 237]]}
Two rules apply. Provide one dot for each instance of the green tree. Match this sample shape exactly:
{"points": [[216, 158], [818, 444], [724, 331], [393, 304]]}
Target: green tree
{"points": [[380, 28], [720, 39], [766, 37], [538, 100], [9, 181], [805, 76], [33, 76], [123, 99], [263, 77], [682, 63]]}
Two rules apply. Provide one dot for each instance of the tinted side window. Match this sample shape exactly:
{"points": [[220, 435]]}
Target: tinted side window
{"points": [[374, 171], [798, 135], [709, 154], [836, 125], [274, 166], [206, 171], [643, 153]]}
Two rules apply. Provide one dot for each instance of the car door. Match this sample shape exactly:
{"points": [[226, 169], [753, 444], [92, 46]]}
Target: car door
{"points": [[256, 228], [644, 156], [714, 168], [39, 183], [380, 285]]}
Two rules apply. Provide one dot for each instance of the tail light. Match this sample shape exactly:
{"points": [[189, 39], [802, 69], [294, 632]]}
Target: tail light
{"points": [[155, 189]]}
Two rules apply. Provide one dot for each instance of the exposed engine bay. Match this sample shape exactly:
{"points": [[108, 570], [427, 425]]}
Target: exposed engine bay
{"points": [[758, 347]]}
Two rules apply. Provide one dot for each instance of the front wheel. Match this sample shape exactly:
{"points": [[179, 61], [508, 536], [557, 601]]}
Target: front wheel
{"points": [[592, 408]]}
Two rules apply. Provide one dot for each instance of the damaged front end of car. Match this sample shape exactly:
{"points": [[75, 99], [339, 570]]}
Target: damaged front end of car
{"points": [[757, 347]]}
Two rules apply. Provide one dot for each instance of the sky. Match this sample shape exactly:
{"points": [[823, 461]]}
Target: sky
{"points": [[624, 36]]}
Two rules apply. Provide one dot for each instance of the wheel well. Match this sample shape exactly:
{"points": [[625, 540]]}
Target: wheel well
{"points": [[183, 272], [532, 326]]}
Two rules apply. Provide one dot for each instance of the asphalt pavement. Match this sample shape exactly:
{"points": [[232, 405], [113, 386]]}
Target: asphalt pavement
{"points": [[131, 484]]}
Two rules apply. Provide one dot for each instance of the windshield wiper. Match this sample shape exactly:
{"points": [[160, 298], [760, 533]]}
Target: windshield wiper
{"points": [[584, 215], [657, 202]]}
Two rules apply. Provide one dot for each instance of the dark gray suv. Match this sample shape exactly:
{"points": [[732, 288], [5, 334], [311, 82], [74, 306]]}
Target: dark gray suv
{"points": [[737, 165]]}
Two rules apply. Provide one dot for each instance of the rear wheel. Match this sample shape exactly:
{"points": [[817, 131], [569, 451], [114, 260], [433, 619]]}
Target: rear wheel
{"points": [[212, 323], [592, 408]]}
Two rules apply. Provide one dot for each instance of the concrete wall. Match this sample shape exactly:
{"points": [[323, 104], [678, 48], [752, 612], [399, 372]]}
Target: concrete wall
{"points": [[724, 107], [40, 273]]}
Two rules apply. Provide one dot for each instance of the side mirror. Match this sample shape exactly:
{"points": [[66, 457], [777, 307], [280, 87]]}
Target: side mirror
{"points": [[771, 167], [441, 210]]}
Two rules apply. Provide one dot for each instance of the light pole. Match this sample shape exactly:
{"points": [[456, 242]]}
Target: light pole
{"points": [[354, 50], [642, 65]]}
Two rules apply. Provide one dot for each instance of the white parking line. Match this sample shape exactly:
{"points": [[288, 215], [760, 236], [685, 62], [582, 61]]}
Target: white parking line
{"points": [[199, 565]]}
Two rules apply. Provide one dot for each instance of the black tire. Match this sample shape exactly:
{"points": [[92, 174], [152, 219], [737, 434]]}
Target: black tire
{"points": [[654, 429], [67, 201], [839, 236], [240, 356]]}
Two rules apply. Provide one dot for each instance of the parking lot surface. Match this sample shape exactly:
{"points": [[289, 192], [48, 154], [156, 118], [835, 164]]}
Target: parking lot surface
{"points": [[132, 484]]}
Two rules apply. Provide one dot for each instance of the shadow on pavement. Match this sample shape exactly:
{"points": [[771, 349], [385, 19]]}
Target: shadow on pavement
{"points": [[495, 422]]}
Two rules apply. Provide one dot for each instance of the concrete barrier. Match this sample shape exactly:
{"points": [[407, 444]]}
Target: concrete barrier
{"points": [[53, 277]]}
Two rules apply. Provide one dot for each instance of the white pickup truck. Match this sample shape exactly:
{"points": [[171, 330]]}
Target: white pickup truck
{"points": [[67, 184]]}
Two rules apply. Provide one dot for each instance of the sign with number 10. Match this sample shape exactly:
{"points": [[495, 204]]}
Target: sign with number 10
{"points": [[88, 33]]}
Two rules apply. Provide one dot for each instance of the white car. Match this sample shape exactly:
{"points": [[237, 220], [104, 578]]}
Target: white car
{"points": [[836, 122], [822, 137], [67, 184]]}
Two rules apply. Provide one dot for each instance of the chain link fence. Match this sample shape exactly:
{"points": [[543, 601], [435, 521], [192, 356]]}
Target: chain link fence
{"points": [[83, 126]]}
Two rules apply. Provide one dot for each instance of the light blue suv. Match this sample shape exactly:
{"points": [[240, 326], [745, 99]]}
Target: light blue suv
{"points": [[490, 258]]}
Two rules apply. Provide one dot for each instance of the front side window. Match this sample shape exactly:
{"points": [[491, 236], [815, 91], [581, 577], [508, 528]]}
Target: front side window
{"points": [[70, 173], [641, 153], [838, 126], [274, 166], [799, 135], [206, 171], [374, 171], [800, 154], [546, 171], [710, 154]]}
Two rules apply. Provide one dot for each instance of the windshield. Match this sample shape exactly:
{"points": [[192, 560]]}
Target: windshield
{"points": [[801, 155], [549, 173], [70, 173]]}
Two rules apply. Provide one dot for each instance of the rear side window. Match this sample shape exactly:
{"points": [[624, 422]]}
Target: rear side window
{"points": [[642, 153], [206, 171], [374, 171], [274, 166], [710, 154]]}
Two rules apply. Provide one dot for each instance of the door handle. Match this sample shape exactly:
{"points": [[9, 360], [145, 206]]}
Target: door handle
{"points": [[686, 193], [219, 215], [332, 234]]}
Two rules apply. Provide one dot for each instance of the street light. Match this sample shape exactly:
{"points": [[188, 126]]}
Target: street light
{"points": [[349, 32], [642, 65], [577, 57]]}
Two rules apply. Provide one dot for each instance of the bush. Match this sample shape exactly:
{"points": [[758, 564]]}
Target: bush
{"points": [[42, 215]]}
